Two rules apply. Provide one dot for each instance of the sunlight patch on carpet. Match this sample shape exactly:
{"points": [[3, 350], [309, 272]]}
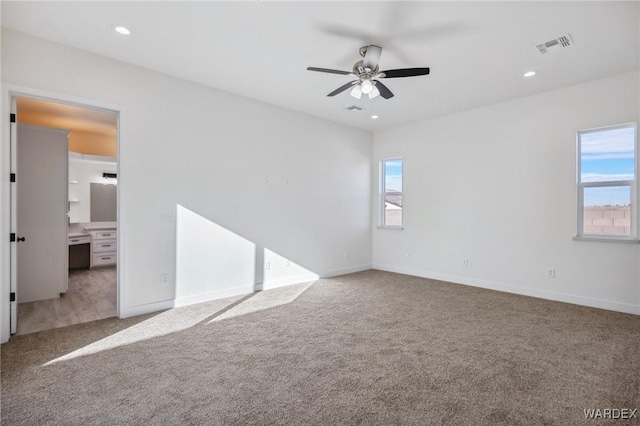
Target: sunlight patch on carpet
{"points": [[171, 321], [265, 300]]}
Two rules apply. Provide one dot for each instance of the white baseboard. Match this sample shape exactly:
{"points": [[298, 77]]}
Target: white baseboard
{"points": [[298, 279], [148, 308], [212, 295], [184, 301], [344, 271], [508, 288]]}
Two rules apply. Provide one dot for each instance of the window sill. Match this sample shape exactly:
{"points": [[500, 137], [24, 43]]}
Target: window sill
{"points": [[397, 228], [607, 239]]}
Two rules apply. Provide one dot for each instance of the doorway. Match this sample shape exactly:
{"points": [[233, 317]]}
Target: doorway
{"points": [[87, 289]]}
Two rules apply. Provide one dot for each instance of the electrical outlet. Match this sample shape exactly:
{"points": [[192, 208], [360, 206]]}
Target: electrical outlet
{"points": [[465, 262], [267, 265], [164, 278], [551, 272]]}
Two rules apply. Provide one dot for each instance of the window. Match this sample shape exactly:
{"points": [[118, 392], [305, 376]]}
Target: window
{"points": [[607, 182], [391, 192]]}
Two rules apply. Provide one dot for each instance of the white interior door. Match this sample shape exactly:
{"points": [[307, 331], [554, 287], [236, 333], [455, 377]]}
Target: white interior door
{"points": [[13, 305], [42, 206]]}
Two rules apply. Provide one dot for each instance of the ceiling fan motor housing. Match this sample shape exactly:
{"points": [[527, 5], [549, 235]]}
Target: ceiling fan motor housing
{"points": [[364, 73]]}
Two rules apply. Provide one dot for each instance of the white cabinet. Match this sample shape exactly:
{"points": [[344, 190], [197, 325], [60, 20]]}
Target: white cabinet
{"points": [[104, 235], [79, 240], [103, 259], [104, 245], [100, 246]]}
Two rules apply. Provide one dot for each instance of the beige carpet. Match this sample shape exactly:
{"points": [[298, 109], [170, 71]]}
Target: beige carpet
{"points": [[366, 348]]}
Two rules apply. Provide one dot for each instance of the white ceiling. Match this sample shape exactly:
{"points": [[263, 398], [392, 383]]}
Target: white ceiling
{"points": [[477, 51]]}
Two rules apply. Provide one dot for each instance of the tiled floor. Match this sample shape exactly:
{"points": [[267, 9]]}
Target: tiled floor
{"points": [[91, 296]]}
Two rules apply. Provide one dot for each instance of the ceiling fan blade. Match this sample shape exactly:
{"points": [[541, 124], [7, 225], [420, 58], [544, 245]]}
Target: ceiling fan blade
{"points": [[347, 32], [406, 72], [330, 71], [432, 32], [372, 57], [393, 49], [384, 90], [343, 88]]}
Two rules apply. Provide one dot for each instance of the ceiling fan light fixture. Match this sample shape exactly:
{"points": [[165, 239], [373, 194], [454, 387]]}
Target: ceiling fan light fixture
{"points": [[366, 86], [356, 92], [374, 92]]}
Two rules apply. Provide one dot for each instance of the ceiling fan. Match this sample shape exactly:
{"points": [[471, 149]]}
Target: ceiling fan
{"points": [[368, 74]]}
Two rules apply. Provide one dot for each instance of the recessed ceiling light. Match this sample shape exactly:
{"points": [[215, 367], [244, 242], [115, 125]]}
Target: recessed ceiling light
{"points": [[374, 116], [529, 74], [121, 29]]}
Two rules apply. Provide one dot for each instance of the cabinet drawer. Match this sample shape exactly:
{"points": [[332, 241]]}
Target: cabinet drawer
{"points": [[104, 235], [79, 240], [100, 246], [104, 259]]}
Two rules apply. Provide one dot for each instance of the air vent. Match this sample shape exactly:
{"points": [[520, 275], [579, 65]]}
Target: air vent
{"points": [[556, 43], [354, 108]]}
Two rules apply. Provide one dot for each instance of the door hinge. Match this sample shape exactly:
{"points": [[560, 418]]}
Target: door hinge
{"points": [[12, 118], [12, 297], [12, 237], [12, 178]]}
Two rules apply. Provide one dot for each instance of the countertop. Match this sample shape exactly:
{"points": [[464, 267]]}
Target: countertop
{"points": [[83, 229], [99, 226]]}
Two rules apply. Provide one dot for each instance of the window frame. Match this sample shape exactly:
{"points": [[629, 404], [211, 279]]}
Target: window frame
{"points": [[382, 186], [631, 184]]}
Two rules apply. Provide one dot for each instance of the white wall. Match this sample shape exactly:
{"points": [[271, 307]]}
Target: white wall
{"points": [[85, 172], [211, 152], [497, 185]]}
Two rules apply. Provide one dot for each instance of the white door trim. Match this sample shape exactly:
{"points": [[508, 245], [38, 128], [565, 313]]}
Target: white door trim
{"points": [[8, 92], [13, 196]]}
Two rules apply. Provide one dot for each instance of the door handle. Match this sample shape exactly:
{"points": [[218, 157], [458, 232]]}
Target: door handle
{"points": [[20, 239]]}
